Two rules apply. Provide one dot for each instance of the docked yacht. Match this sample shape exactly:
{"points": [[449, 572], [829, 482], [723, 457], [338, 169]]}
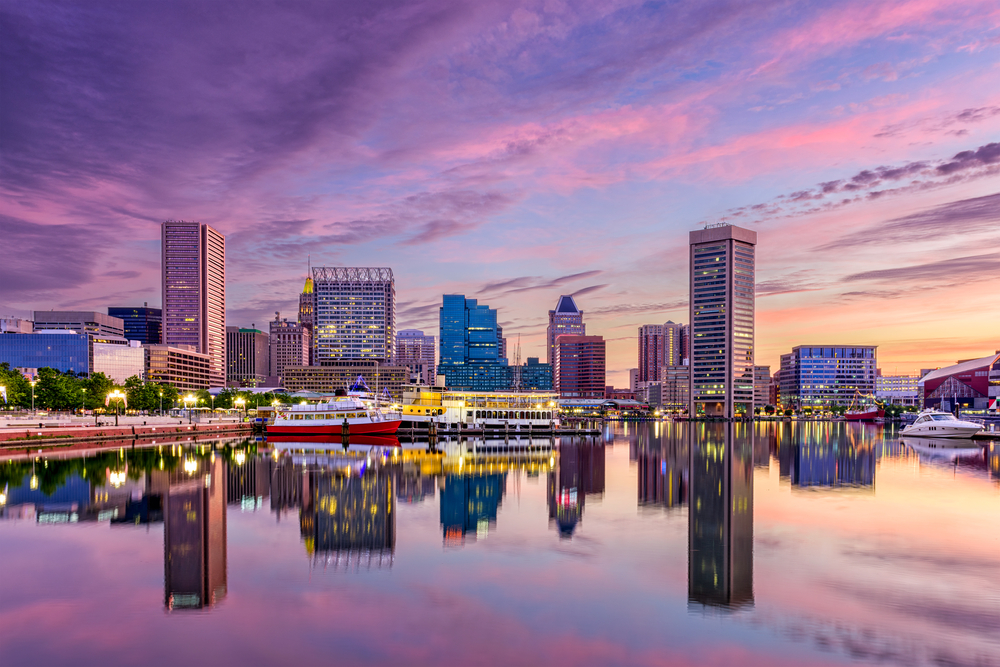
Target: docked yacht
{"points": [[936, 424]]}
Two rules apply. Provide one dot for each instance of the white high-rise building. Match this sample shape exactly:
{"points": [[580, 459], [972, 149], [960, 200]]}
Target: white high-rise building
{"points": [[354, 314], [722, 264]]}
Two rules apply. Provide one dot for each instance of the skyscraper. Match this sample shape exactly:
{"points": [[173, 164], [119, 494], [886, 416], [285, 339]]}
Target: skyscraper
{"points": [[659, 346], [289, 344], [579, 371], [565, 319], [672, 349], [354, 314], [469, 347], [194, 291], [307, 308], [249, 357], [416, 351], [722, 320]]}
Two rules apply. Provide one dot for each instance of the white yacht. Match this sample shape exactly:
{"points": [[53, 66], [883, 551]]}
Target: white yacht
{"points": [[936, 424]]}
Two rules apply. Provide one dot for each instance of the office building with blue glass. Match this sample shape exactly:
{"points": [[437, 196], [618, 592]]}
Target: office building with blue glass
{"points": [[469, 346], [142, 323], [64, 350]]}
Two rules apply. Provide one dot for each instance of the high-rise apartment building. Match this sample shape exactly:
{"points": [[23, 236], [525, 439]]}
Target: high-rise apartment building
{"points": [[249, 357], [416, 351], [579, 371], [355, 314], [722, 283], [469, 347], [194, 291], [761, 386], [307, 309], [288, 344], [565, 319], [818, 376], [659, 346], [143, 324]]}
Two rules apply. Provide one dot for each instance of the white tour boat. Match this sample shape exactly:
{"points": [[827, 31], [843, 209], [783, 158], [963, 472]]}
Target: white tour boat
{"points": [[936, 424], [328, 419]]}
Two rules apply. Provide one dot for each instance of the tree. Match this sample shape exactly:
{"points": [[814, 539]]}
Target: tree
{"points": [[769, 409], [98, 387], [18, 389]]}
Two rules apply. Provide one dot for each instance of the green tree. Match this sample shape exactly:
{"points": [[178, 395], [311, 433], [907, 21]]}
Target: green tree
{"points": [[98, 387], [18, 389], [769, 409]]}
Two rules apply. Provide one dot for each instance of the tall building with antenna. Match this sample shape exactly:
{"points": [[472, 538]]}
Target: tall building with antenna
{"points": [[307, 308]]}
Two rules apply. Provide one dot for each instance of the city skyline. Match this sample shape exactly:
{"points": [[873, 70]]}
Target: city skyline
{"points": [[534, 161]]}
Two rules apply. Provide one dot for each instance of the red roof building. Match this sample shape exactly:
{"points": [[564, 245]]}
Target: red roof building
{"points": [[971, 384]]}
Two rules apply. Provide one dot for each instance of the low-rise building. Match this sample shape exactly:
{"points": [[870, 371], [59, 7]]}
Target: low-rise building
{"points": [[248, 357], [823, 375], [969, 384], [178, 365], [64, 350], [119, 362], [897, 389], [16, 325], [80, 321], [761, 386], [333, 375], [531, 376]]}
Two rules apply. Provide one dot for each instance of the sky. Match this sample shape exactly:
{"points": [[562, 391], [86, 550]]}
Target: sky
{"points": [[516, 151]]}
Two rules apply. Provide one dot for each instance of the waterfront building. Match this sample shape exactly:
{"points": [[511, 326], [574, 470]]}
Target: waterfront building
{"points": [[897, 389], [722, 297], [659, 346], [307, 313], [119, 360], [181, 366], [720, 516], [249, 357], [761, 386], [969, 384], [633, 380], [417, 352], [64, 350], [685, 344], [143, 324], [469, 345], [193, 264], [85, 321], [579, 371], [333, 375], [288, 345], [16, 325], [355, 314], [530, 376], [819, 376], [774, 391], [566, 319], [194, 535], [675, 388]]}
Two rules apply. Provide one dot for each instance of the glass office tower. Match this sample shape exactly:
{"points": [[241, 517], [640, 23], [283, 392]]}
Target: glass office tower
{"points": [[354, 314], [722, 321], [469, 352], [142, 323]]}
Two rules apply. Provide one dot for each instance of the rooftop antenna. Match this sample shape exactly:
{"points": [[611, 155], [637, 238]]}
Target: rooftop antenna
{"points": [[517, 365]]}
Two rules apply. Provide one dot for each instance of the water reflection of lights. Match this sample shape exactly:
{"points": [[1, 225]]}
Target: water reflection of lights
{"points": [[117, 478], [3, 498], [190, 466], [34, 482], [241, 458]]}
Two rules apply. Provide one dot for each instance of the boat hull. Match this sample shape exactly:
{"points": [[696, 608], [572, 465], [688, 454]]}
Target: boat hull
{"points": [[940, 431], [864, 416], [387, 427]]}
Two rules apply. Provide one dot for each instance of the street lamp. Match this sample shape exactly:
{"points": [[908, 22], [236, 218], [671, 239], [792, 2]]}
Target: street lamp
{"points": [[188, 400], [241, 403], [32, 383], [161, 402], [116, 396], [83, 401]]}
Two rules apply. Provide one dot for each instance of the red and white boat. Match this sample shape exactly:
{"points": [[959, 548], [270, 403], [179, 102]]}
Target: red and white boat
{"points": [[328, 419], [864, 414]]}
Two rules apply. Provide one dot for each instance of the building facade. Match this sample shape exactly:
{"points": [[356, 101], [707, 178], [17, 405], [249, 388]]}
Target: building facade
{"points": [[530, 376], [566, 319], [354, 314], [818, 375], [973, 383], [659, 346], [79, 321], [417, 352], [143, 324], [16, 325], [334, 375], [761, 386], [183, 367], [897, 389], [307, 312], [249, 357], [722, 261], [579, 371], [193, 264], [119, 362], [64, 350], [469, 345], [288, 345]]}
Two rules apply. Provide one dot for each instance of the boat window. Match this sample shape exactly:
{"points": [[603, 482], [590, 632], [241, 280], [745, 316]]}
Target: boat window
{"points": [[943, 418], [309, 416]]}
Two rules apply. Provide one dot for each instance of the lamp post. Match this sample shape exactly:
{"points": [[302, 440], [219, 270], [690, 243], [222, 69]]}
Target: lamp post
{"points": [[241, 403], [116, 396], [161, 402], [83, 400], [188, 400], [32, 383]]}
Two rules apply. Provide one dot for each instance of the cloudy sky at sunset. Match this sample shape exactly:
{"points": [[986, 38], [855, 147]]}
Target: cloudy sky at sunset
{"points": [[515, 152]]}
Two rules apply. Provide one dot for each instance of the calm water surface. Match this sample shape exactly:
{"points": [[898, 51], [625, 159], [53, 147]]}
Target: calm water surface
{"points": [[660, 544]]}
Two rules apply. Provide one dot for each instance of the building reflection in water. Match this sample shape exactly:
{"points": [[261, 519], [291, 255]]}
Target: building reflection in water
{"points": [[579, 472], [469, 505], [662, 463], [194, 532], [720, 516], [348, 517]]}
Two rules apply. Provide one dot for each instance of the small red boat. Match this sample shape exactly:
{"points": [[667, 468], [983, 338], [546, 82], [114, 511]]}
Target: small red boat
{"points": [[329, 419], [864, 414]]}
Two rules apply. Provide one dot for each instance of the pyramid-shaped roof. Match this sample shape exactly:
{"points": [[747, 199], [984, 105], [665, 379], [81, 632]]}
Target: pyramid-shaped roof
{"points": [[308, 289], [566, 305]]}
